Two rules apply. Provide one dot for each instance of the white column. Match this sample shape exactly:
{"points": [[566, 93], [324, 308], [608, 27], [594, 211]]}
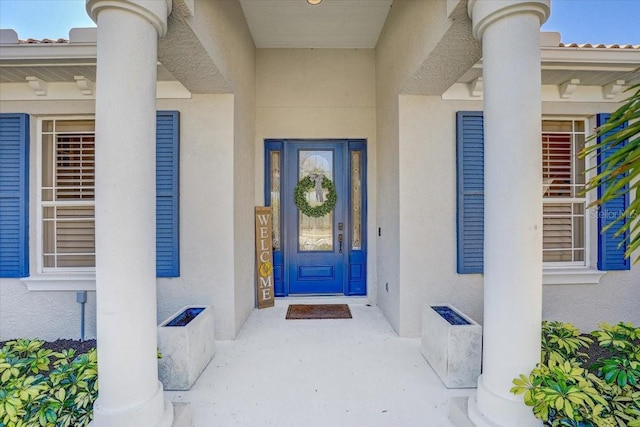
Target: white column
{"points": [[509, 31], [130, 393]]}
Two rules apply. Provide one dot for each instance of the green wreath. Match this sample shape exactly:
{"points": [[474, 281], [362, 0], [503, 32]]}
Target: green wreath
{"points": [[300, 196]]}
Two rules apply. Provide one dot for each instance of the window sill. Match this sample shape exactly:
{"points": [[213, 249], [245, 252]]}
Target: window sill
{"points": [[61, 282], [571, 276]]}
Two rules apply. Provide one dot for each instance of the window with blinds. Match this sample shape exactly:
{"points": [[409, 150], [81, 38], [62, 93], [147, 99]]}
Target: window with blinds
{"points": [[563, 179], [67, 194]]}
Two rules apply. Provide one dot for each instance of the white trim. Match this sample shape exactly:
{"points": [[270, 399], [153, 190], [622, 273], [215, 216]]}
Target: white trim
{"points": [[590, 221], [154, 12], [67, 51], [61, 282], [70, 91], [588, 274], [612, 58], [43, 271], [550, 93], [572, 200], [571, 276]]}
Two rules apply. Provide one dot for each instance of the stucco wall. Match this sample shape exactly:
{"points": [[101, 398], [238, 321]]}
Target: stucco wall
{"points": [[617, 297], [318, 93], [422, 49], [206, 219], [233, 50], [209, 47], [428, 212], [45, 315], [427, 158], [206, 227]]}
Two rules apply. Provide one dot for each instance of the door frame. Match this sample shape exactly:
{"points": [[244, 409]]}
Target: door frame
{"points": [[354, 282]]}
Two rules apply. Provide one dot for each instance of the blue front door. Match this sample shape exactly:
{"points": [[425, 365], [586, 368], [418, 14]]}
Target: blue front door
{"points": [[320, 244], [314, 246]]}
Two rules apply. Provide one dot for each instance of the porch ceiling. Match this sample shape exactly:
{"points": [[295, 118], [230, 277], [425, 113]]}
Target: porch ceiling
{"points": [[330, 24]]}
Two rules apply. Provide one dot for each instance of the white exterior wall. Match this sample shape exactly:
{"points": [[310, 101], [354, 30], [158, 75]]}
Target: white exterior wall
{"points": [[233, 50], [427, 221], [206, 227], [319, 93], [428, 214], [617, 297], [212, 51], [428, 227], [206, 214], [393, 68], [418, 51], [44, 315], [313, 94]]}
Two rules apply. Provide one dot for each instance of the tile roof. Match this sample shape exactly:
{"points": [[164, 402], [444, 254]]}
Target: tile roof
{"points": [[43, 41], [568, 45], [600, 46]]}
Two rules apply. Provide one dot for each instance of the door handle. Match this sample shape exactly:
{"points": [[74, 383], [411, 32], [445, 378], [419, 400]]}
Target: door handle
{"points": [[340, 240]]}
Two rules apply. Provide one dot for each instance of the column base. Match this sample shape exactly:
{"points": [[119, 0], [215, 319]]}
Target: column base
{"points": [[459, 412], [167, 419], [156, 412], [487, 409]]}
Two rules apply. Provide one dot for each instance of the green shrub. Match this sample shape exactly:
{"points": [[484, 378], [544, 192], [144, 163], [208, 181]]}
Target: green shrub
{"points": [[561, 341], [563, 392], [39, 387]]}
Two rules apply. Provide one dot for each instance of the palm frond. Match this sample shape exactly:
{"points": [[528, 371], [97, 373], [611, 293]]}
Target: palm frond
{"points": [[618, 169]]}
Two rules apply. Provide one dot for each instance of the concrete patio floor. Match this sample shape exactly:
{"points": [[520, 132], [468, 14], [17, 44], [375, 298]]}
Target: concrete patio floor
{"points": [[343, 372]]}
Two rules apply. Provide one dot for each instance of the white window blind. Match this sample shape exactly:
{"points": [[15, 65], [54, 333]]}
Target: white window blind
{"points": [[67, 194], [564, 229]]}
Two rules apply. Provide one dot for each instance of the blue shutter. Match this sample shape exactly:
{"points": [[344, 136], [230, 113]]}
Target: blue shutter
{"points": [[14, 195], [611, 249], [167, 194], [470, 187]]}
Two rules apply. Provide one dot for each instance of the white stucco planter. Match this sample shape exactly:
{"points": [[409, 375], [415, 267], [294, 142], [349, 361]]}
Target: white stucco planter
{"points": [[186, 350], [454, 351]]}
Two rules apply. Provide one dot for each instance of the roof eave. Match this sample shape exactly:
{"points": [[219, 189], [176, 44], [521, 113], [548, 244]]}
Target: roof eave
{"points": [[42, 52], [617, 58]]}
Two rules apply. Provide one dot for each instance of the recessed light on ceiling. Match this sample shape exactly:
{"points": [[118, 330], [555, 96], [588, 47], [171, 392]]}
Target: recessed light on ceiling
{"points": [[314, 2]]}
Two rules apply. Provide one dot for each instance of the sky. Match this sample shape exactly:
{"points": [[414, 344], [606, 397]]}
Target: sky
{"points": [[578, 21]]}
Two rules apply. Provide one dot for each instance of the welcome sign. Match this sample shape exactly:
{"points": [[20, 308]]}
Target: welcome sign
{"points": [[264, 257]]}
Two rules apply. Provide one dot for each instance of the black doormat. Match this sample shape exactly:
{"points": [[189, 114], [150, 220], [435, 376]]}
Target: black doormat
{"points": [[318, 311]]}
